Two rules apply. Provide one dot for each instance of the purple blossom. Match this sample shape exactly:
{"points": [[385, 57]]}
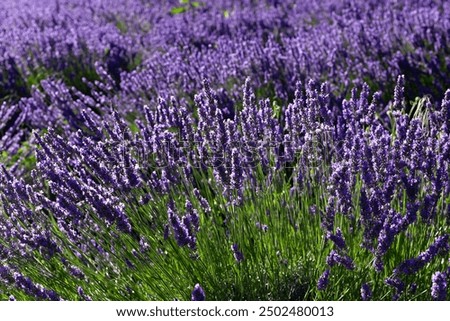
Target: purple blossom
{"points": [[76, 272], [411, 266], [203, 202], [440, 245], [337, 239], [180, 231], [397, 284], [366, 292], [198, 294], [192, 218], [184, 229], [322, 283], [399, 93], [334, 258], [439, 286], [262, 227], [34, 289], [329, 215], [82, 295], [238, 256]]}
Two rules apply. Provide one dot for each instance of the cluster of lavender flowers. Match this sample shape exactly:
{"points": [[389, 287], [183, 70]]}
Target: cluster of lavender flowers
{"points": [[157, 144], [280, 42], [104, 170]]}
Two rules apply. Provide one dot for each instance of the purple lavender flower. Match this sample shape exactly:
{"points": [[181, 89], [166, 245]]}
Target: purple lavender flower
{"points": [[34, 289], [236, 175], [378, 264], [411, 266], [366, 292], [428, 210], [440, 245], [203, 202], [329, 215], [322, 283], [397, 284], [439, 286], [181, 233], [334, 258], [129, 264], [238, 256], [198, 294], [185, 228], [82, 295], [76, 272], [337, 239], [399, 93], [143, 245], [192, 217], [262, 227]]}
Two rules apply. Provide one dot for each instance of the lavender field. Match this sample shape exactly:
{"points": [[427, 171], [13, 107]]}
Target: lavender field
{"points": [[224, 150]]}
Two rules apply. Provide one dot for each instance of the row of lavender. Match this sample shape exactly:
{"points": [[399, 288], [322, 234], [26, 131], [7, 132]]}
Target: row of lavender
{"points": [[148, 51], [385, 186]]}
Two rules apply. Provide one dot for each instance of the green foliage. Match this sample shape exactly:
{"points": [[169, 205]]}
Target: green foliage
{"points": [[178, 10], [23, 158], [122, 26], [185, 6]]}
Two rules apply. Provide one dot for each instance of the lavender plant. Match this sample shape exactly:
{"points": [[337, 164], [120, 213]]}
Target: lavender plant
{"points": [[140, 162]]}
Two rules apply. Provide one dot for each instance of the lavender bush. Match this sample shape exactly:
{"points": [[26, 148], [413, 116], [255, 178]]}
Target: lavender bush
{"points": [[234, 150]]}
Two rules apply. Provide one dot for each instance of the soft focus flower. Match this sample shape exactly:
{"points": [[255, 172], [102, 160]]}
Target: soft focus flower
{"points": [[366, 292], [238, 256], [439, 286], [322, 283], [198, 294], [335, 258]]}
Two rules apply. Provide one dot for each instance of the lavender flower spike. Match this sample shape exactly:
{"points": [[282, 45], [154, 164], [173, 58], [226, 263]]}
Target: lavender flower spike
{"points": [[439, 286], [334, 258], [337, 239], [238, 256], [82, 295], [198, 294], [322, 283], [366, 292]]}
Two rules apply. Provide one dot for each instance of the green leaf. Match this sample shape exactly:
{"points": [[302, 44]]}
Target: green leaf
{"points": [[177, 10], [122, 26], [276, 110], [3, 156]]}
